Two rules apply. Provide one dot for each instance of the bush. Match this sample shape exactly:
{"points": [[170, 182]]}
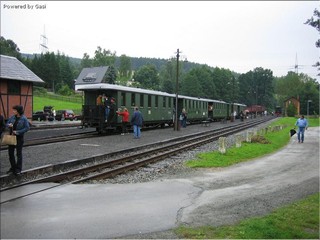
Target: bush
{"points": [[291, 110]]}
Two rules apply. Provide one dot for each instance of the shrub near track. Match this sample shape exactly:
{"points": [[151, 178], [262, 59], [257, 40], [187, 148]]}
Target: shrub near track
{"points": [[299, 220]]}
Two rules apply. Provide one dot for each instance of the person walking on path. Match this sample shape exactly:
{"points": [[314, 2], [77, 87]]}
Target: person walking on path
{"points": [[302, 124], [125, 120], [18, 125], [137, 121]]}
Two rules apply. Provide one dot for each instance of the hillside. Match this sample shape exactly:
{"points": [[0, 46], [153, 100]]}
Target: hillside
{"points": [[136, 62]]}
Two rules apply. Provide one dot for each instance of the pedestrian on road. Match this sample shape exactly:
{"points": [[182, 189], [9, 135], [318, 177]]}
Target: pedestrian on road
{"points": [[18, 125], [302, 124], [137, 121], [125, 120]]}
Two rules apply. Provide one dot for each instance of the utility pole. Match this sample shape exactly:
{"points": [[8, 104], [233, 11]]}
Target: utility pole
{"points": [[176, 120]]}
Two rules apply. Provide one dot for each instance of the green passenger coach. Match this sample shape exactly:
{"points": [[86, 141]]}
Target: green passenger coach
{"points": [[158, 108]]}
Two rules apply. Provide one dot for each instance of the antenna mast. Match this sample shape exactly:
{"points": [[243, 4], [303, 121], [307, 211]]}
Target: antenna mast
{"points": [[44, 41], [296, 66]]}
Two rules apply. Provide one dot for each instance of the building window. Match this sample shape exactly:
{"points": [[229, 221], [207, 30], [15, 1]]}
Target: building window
{"points": [[14, 87]]}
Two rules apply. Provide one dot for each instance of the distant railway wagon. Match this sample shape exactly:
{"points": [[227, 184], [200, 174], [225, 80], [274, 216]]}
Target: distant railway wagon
{"points": [[238, 108], [256, 109], [278, 110], [157, 108]]}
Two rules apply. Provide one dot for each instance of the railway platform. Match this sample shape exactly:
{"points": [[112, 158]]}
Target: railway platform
{"points": [[150, 210]]}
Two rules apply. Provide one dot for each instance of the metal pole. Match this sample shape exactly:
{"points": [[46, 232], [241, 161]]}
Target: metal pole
{"points": [[309, 101], [176, 124]]}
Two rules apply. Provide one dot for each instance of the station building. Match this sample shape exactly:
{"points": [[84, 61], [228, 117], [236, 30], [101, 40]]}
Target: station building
{"points": [[16, 86]]}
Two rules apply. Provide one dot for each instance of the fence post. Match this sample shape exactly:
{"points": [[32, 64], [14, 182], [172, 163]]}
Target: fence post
{"points": [[238, 140], [222, 145], [249, 136]]}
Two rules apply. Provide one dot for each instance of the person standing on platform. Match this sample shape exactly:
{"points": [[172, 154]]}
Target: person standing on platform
{"points": [[18, 125], [137, 121], [125, 120]]}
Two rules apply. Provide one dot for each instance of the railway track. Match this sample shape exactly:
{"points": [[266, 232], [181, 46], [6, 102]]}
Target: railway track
{"points": [[55, 139], [111, 165]]}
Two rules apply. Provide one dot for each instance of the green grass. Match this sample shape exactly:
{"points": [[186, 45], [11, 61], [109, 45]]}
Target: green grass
{"points": [[249, 151], [299, 220], [40, 102]]}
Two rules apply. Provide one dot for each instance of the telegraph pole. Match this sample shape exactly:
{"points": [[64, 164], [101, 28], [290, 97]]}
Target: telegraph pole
{"points": [[176, 120]]}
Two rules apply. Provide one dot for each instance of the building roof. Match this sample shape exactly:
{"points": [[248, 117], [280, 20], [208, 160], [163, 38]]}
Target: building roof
{"points": [[291, 98], [92, 75], [12, 68]]}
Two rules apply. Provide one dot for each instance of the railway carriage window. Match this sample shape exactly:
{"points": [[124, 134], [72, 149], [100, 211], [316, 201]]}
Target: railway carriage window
{"points": [[133, 99], [141, 100], [164, 101], [14, 87], [156, 101], [123, 99], [170, 99], [149, 101]]}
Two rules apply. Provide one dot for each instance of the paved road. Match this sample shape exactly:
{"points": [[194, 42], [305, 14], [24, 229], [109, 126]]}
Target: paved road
{"points": [[150, 210]]}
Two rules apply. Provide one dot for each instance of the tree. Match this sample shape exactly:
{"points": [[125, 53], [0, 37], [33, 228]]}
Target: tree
{"points": [[300, 86], [256, 87], [86, 62], [198, 82], [191, 85], [9, 48], [223, 80], [148, 77], [111, 75], [168, 76], [125, 66], [103, 57], [316, 24]]}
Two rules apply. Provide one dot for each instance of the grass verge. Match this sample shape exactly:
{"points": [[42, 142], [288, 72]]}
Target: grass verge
{"points": [[40, 102], [299, 220]]}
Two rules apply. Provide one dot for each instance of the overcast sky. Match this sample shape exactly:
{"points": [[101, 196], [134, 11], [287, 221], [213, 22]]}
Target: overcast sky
{"points": [[237, 35]]}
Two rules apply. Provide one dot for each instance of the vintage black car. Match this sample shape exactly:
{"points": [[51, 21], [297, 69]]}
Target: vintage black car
{"points": [[40, 116]]}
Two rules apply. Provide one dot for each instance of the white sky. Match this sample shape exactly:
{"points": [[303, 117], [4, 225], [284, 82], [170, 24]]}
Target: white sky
{"points": [[237, 35]]}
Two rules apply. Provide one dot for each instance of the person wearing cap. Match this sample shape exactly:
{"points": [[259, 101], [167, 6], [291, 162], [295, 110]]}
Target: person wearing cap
{"points": [[18, 125], [302, 124], [112, 108]]}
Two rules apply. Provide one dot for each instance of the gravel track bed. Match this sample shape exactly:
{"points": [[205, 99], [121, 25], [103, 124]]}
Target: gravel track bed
{"points": [[173, 167]]}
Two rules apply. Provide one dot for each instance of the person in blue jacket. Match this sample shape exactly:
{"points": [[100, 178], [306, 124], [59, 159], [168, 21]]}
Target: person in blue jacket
{"points": [[302, 124], [18, 125], [137, 121]]}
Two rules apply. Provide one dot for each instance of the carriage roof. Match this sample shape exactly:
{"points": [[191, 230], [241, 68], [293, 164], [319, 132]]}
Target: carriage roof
{"points": [[107, 86]]}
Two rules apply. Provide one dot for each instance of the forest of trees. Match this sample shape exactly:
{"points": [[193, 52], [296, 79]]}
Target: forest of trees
{"points": [[258, 86]]}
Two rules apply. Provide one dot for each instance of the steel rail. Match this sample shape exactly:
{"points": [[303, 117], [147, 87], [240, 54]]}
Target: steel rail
{"points": [[188, 143]]}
